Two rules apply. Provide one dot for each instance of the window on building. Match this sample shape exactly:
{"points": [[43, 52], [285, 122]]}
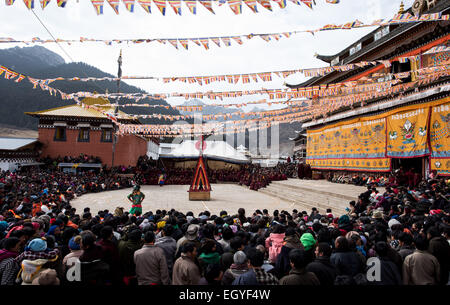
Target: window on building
{"points": [[381, 33], [60, 133], [107, 135], [355, 48], [83, 136]]}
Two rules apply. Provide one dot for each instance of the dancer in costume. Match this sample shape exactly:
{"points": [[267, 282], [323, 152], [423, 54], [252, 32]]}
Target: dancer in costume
{"points": [[161, 179], [136, 199]]}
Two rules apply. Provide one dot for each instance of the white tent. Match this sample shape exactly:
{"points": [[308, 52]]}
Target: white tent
{"points": [[215, 150]]}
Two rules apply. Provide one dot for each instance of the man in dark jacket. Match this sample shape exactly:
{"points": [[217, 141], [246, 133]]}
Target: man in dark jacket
{"points": [[126, 254], [439, 248], [406, 248], [292, 241], [236, 244], [321, 266], [347, 262], [390, 275], [168, 244], [110, 253], [298, 274]]}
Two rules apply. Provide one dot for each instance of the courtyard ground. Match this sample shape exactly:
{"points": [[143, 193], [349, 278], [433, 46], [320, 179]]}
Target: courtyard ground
{"points": [[229, 197]]}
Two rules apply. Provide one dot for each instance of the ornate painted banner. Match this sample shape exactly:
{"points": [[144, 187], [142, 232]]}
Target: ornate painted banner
{"points": [[408, 132], [369, 143], [440, 138], [356, 145]]}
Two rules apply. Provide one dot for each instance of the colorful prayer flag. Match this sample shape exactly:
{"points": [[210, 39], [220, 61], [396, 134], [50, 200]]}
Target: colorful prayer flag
{"points": [[204, 42], [252, 5], [98, 5], [61, 3], [192, 5], [281, 3], [237, 39], [146, 5], [308, 3], [184, 43], [115, 5], [29, 3], [226, 41], [265, 4], [9, 2], [44, 3], [236, 6], [174, 43], [176, 6], [207, 5], [161, 4], [129, 4], [216, 40]]}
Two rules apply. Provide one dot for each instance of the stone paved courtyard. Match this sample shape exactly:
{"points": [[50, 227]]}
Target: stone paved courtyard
{"points": [[229, 197]]}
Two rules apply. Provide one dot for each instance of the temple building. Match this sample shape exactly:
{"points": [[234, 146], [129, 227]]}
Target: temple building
{"points": [[73, 130], [406, 124]]}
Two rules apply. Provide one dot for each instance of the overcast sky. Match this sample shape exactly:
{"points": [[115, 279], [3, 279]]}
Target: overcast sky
{"points": [[79, 19]]}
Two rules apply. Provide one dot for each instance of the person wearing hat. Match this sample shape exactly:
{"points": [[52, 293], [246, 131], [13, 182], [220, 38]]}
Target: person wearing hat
{"points": [[238, 267], [75, 252], [191, 235], [32, 264], [136, 198]]}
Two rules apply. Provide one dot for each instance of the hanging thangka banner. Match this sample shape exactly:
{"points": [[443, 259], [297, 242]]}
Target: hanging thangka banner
{"points": [[356, 145], [440, 138], [407, 132]]}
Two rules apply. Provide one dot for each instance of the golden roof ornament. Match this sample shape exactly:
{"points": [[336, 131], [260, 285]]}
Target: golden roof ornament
{"points": [[402, 8]]}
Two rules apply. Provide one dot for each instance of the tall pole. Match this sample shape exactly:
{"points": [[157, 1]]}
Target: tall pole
{"points": [[116, 108]]}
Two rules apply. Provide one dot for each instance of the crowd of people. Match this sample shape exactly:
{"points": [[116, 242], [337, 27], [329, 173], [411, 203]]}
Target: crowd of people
{"points": [[410, 178], [44, 240], [252, 175]]}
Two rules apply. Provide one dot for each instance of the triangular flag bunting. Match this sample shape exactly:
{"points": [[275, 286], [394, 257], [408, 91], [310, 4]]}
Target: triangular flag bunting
{"points": [[308, 3], [115, 5], [236, 6], [205, 43], [226, 41], [207, 5], [237, 39], [174, 43], [196, 41], [161, 4], [252, 5], [44, 3], [287, 34], [29, 3], [61, 3], [184, 43], [281, 3], [192, 5], [216, 40], [146, 5], [9, 2], [255, 77], [265, 4], [266, 37], [98, 5], [176, 5], [129, 4]]}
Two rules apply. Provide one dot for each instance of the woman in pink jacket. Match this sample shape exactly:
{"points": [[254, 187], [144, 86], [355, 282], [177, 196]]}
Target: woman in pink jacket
{"points": [[274, 243]]}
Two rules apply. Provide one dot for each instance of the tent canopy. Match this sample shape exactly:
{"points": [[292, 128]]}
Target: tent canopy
{"points": [[216, 150]]}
